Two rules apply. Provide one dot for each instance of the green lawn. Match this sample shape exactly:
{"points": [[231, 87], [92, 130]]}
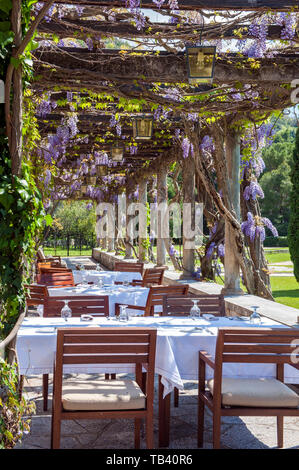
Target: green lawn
{"points": [[277, 257], [63, 252], [285, 290]]}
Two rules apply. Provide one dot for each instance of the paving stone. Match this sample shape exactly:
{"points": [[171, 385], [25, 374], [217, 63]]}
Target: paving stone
{"points": [[237, 433]]}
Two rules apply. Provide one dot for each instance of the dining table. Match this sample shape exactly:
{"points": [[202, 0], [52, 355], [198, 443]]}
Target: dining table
{"points": [[179, 339], [107, 277], [131, 295]]}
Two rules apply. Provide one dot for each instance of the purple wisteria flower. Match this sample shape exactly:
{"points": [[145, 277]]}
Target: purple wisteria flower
{"points": [[270, 226], [210, 250], [185, 147], [221, 250], [252, 191]]}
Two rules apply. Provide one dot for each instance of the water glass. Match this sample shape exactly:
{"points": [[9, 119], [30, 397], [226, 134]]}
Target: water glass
{"points": [[195, 310], [66, 311], [40, 310], [98, 267], [123, 316], [99, 282], [126, 282], [255, 317]]}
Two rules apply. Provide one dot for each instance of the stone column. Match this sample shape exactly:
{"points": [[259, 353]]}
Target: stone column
{"points": [[129, 233], [142, 200], [188, 217], [231, 264], [161, 199]]}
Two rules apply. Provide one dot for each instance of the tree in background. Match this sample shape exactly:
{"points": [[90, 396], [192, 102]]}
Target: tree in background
{"points": [[74, 219], [293, 233], [276, 179]]}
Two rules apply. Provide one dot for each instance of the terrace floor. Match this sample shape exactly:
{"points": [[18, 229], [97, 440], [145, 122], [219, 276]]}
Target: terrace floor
{"points": [[237, 433]]}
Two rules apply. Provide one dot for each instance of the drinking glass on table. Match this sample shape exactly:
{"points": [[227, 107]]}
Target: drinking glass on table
{"points": [[255, 317], [123, 316], [98, 267], [66, 311], [126, 282], [99, 282], [40, 310], [195, 310]]}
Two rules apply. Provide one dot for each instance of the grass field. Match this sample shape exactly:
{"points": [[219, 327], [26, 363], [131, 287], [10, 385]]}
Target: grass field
{"points": [[63, 252]]}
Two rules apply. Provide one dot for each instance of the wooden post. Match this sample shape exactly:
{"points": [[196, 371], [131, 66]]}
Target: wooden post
{"points": [[161, 198], [231, 264], [188, 217], [142, 199]]}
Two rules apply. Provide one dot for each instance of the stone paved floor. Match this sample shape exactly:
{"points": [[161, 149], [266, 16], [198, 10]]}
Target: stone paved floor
{"points": [[245, 433]]}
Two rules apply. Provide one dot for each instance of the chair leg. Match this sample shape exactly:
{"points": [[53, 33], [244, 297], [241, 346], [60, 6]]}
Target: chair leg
{"points": [[137, 433], [45, 390], [216, 429], [176, 397], [55, 432], [279, 431], [201, 421], [149, 432]]}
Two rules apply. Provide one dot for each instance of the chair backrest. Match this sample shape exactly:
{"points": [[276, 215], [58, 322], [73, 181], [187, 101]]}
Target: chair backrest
{"points": [[157, 293], [56, 279], [128, 267], [153, 276], [36, 295], [257, 346], [40, 254], [53, 269], [180, 306], [80, 305], [106, 346]]}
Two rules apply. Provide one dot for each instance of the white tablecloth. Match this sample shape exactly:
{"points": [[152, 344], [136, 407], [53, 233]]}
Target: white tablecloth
{"points": [[178, 343], [132, 295], [106, 276]]}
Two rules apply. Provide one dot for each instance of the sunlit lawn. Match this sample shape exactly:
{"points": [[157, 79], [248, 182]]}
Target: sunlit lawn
{"points": [[63, 252]]}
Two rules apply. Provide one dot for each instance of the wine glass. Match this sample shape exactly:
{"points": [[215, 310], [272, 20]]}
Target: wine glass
{"points": [[66, 312], [98, 267], [195, 310], [40, 310], [126, 282], [99, 282], [123, 316], [255, 317]]}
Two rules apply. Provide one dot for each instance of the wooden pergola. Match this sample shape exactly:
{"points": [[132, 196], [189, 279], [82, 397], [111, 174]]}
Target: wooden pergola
{"points": [[131, 73]]}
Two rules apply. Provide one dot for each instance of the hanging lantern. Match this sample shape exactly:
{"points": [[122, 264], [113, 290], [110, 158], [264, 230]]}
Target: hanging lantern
{"points": [[143, 127], [102, 170], [117, 152], [91, 180], [201, 63]]}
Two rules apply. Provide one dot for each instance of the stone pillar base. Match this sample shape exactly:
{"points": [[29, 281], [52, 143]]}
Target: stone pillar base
{"points": [[232, 291], [187, 276]]}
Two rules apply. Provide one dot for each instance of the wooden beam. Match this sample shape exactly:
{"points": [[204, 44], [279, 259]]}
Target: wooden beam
{"points": [[66, 29], [279, 5], [83, 67]]}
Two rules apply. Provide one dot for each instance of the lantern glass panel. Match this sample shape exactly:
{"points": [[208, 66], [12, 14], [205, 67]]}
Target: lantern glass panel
{"points": [[143, 128], [117, 153], [201, 61]]}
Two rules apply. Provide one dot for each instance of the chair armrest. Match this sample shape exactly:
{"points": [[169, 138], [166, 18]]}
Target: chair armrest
{"points": [[137, 282], [207, 358]]}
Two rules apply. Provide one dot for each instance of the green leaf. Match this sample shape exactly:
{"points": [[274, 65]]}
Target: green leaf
{"points": [[48, 220], [6, 5]]}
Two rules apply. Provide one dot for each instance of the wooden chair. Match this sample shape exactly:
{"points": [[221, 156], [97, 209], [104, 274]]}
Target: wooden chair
{"points": [[80, 305], [36, 295], [57, 279], [248, 397], [180, 306], [53, 269], [155, 298], [105, 399], [151, 276], [122, 266], [43, 258]]}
